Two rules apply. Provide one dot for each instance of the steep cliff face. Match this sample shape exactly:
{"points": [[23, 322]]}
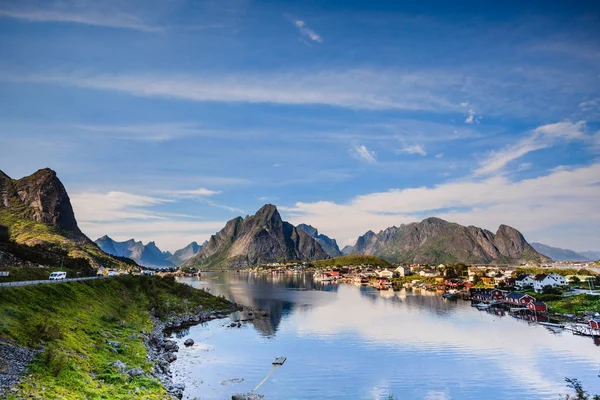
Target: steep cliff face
{"points": [[260, 238], [434, 240], [38, 212], [329, 245], [40, 197]]}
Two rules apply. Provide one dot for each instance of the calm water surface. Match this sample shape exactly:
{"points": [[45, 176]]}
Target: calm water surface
{"points": [[351, 342]]}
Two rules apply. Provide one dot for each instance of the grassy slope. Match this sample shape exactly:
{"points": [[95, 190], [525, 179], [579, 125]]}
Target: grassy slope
{"points": [[354, 259], [76, 319], [24, 231], [575, 304]]}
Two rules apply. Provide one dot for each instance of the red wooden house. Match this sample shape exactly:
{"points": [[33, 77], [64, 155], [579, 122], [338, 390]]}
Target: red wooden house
{"points": [[516, 298], [498, 295], [537, 306]]}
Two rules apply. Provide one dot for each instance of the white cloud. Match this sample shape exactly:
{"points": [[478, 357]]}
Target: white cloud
{"points": [[414, 149], [355, 89], [202, 192], [561, 198], [106, 13], [439, 155], [306, 31], [124, 216], [540, 138], [362, 153], [113, 206], [471, 117]]}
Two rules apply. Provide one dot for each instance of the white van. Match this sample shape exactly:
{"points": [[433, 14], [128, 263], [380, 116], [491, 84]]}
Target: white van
{"points": [[113, 273], [55, 276]]}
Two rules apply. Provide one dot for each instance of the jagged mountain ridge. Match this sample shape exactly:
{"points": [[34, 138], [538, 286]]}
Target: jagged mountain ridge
{"points": [[148, 255], [256, 239], [558, 254], [38, 212], [329, 245], [182, 255], [434, 240]]}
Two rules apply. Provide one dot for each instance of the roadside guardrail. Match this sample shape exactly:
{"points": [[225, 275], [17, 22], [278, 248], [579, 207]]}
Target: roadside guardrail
{"points": [[27, 283]]}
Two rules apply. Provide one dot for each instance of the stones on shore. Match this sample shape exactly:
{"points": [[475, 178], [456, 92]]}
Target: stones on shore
{"points": [[13, 363], [162, 351], [247, 396]]}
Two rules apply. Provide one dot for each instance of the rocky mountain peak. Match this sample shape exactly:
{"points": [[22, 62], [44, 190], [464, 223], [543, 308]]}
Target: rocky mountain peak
{"points": [[40, 197], [259, 238]]}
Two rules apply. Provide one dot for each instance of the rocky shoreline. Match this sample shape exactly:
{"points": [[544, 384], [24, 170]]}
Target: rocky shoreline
{"points": [[14, 360]]}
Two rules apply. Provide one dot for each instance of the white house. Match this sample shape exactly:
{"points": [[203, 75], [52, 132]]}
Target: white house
{"points": [[385, 273], [552, 280], [523, 281], [403, 271], [429, 274]]}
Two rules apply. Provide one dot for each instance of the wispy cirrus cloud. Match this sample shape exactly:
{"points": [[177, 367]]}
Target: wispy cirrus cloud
{"points": [[362, 153], [414, 149], [539, 138], [106, 13], [432, 90], [305, 30]]}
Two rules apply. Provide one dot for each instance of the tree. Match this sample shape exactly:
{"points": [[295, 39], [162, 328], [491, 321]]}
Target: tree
{"points": [[575, 280], [580, 394], [476, 279]]}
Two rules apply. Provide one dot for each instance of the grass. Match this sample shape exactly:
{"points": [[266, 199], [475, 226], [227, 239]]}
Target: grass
{"points": [[72, 246], [575, 304], [354, 259], [73, 322]]}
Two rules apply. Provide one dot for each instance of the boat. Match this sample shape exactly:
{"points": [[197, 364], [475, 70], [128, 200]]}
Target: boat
{"points": [[482, 306], [450, 296], [517, 309]]}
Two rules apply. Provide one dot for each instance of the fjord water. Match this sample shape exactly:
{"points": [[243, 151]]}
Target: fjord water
{"points": [[344, 341]]}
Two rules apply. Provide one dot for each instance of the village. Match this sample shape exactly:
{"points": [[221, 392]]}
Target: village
{"points": [[523, 292]]}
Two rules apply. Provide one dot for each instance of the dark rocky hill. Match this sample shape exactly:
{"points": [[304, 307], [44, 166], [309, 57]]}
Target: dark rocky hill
{"points": [[434, 241], [257, 239]]}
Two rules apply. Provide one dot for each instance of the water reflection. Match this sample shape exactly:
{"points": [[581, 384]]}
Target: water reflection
{"points": [[347, 341], [278, 294]]}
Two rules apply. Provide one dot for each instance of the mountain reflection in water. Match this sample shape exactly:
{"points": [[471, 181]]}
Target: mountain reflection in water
{"points": [[354, 342]]}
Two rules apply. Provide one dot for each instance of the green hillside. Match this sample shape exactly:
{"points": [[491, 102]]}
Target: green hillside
{"points": [[354, 259], [74, 322], [56, 242]]}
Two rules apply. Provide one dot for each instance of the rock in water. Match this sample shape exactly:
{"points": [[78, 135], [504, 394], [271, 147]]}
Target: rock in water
{"points": [[188, 342]]}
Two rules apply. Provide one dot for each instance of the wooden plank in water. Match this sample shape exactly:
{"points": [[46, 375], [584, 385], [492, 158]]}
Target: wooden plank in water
{"points": [[279, 361]]}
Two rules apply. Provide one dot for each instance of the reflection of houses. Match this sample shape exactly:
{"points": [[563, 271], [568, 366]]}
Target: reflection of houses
{"points": [[595, 323]]}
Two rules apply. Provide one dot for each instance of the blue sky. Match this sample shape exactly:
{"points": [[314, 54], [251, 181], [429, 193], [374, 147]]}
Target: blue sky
{"points": [[164, 119]]}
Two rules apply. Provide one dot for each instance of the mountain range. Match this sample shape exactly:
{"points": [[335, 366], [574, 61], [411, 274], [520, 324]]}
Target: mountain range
{"points": [[434, 241], [257, 239], [148, 255], [559, 254], [38, 213], [329, 245]]}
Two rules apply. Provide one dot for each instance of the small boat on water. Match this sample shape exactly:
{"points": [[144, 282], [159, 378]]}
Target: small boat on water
{"points": [[450, 296], [482, 306]]}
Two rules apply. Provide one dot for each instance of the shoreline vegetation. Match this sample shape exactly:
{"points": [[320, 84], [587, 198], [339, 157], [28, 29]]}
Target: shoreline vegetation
{"points": [[94, 339]]}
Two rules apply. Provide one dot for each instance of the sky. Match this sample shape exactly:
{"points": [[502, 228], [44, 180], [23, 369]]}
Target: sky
{"points": [[166, 118]]}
